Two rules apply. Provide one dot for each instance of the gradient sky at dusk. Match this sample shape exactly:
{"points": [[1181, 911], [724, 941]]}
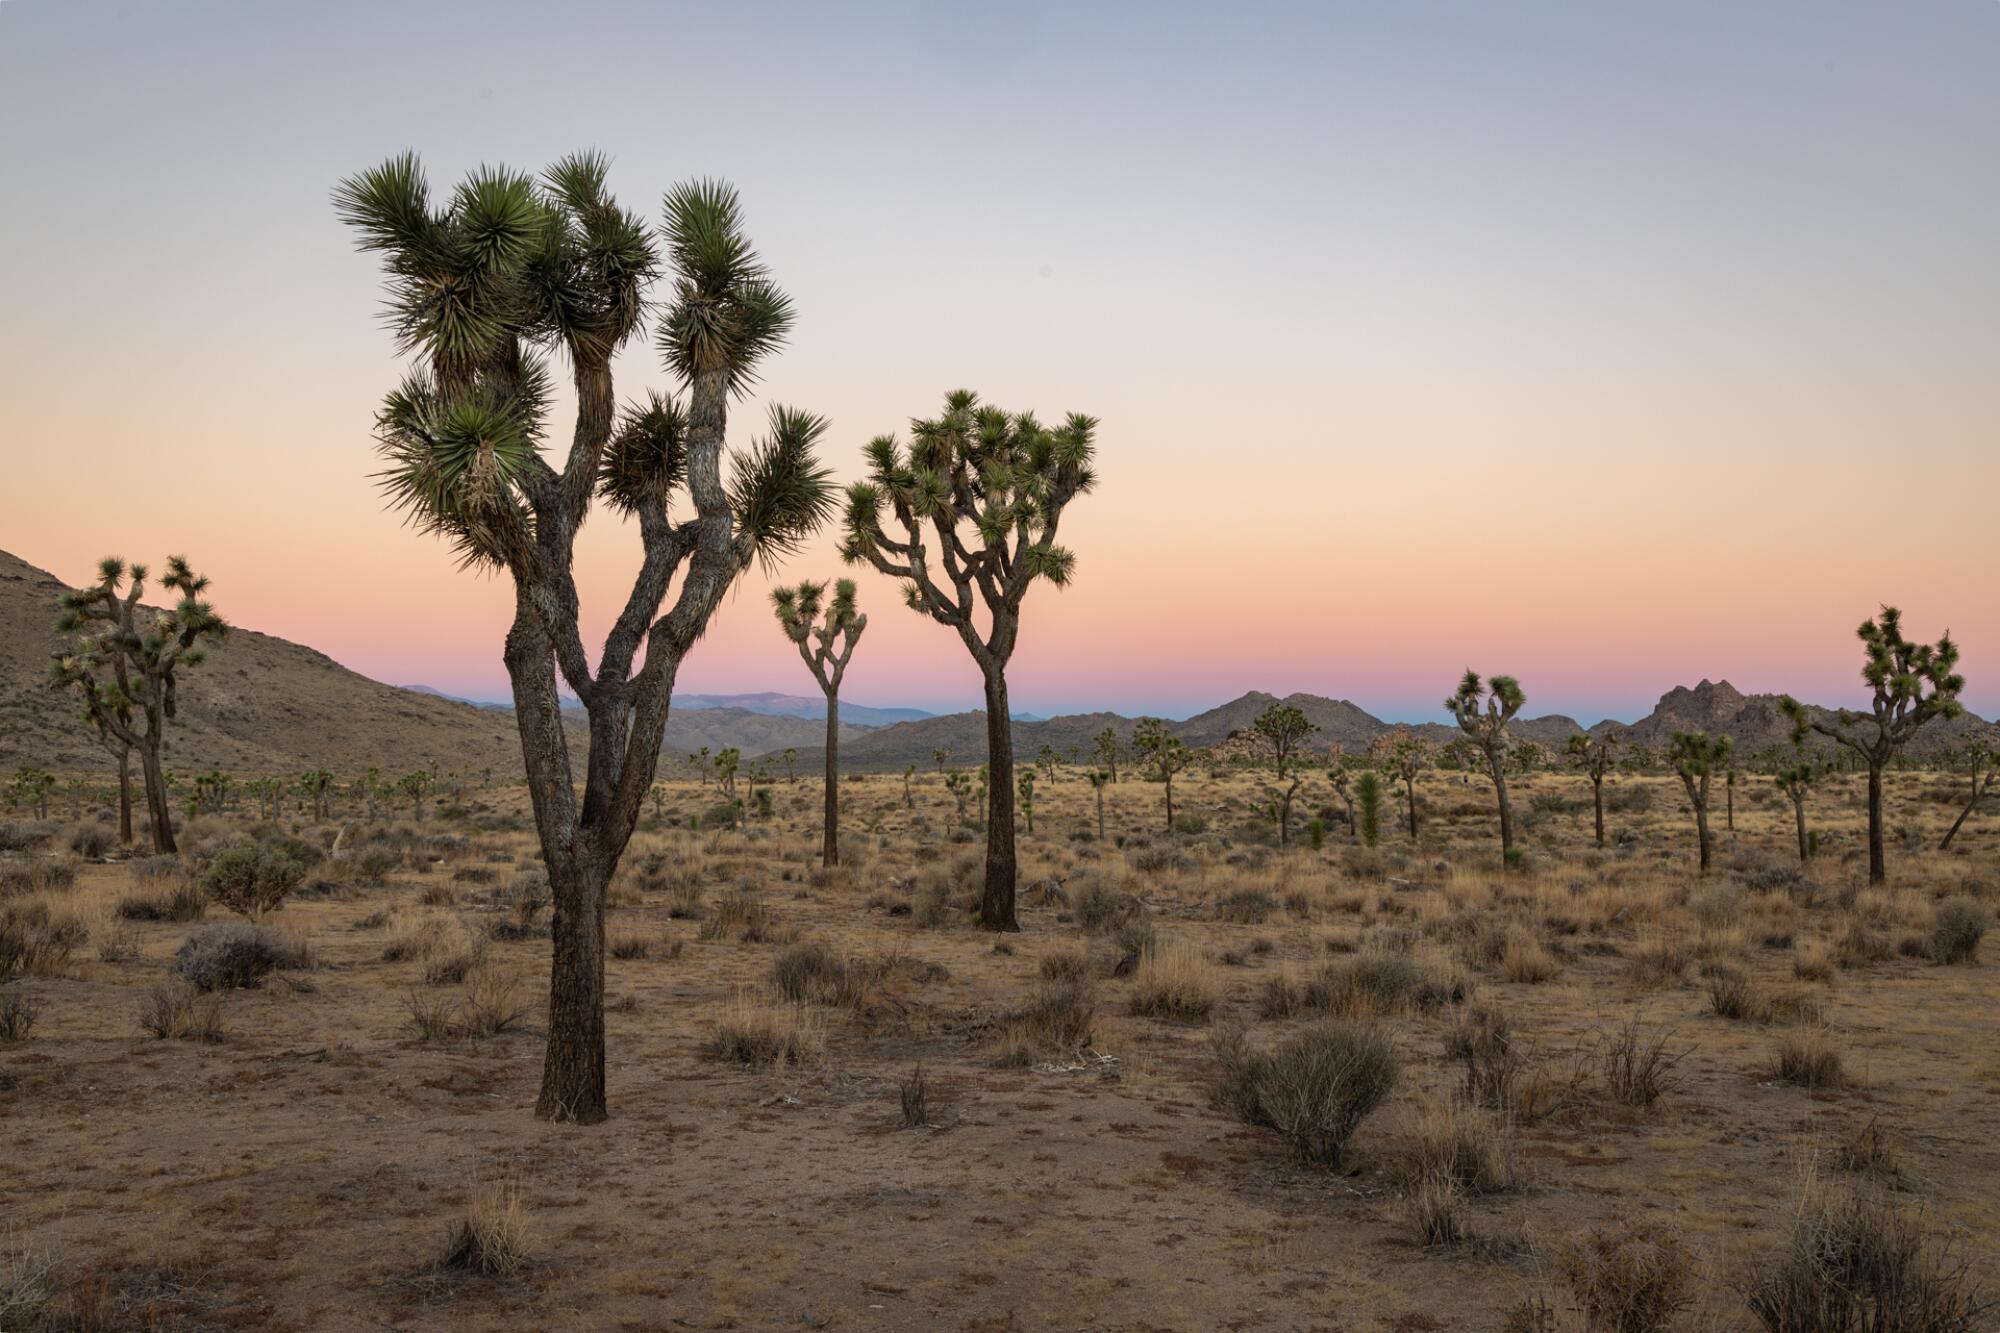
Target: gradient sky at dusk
{"points": [[1613, 346]]}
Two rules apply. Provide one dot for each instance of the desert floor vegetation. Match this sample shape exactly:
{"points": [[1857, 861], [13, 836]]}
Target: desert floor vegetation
{"points": [[1212, 1082]]}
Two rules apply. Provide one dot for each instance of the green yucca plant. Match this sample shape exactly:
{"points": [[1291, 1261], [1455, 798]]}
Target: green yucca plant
{"points": [[1698, 757], [490, 290], [975, 499]]}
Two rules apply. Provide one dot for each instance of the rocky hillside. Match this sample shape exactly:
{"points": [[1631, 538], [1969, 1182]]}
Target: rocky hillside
{"points": [[1756, 722]]}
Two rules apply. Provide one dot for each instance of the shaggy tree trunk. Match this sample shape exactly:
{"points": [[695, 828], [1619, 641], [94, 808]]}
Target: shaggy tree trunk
{"points": [[1506, 808], [1799, 810], [158, 812], [1100, 814], [996, 903], [1701, 834], [125, 798], [1170, 802], [829, 851], [1410, 789], [1597, 801], [1878, 867]]}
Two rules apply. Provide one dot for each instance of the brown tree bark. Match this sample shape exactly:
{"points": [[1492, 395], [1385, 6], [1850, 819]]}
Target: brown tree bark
{"points": [[996, 902], [1878, 864], [1506, 807], [1597, 801], [829, 852], [1799, 811]]}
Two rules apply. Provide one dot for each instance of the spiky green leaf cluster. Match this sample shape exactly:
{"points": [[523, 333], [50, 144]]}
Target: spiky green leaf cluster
{"points": [[779, 490], [647, 455], [726, 313]]}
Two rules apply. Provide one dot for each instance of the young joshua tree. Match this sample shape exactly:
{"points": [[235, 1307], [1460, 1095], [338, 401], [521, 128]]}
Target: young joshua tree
{"points": [[1796, 781], [124, 660], [1282, 727], [1913, 683], [1483, 712], [976, 500], [825, 637], [317, 786], [1592, 754], [1105, 744], [1696, 756], [1162, 752], [1099, 777], [1407, 754], [487, 291], [1978, 760]]}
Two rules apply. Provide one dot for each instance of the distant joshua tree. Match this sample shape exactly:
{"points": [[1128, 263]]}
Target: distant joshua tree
{"points": [[511, 275], [909, 800], [1368, 790], [1483, 712], [317, 786], [1105, 746], [1913, 683], [1002, 480], [417, 787], [791, 759], [1797, 782], [1046, 759], [1026, 785], [124, 661], [1282, 727], [825, 636], [1978, 760], [1339, 776], [1592, 754], [1162, 752], [31, 787], [1407, 754], [1099, 778], [940, 757], [1696, 756]]}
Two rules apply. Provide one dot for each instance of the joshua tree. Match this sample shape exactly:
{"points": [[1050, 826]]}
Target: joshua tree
{"points": [[1002, 481], [1485, 724], [1978, 760], [1797, 783], [1106, 748], [791, 759], [508, 275], [1099, 777], [1729, 798], [1338, 776], [1913, 683], [1368, 789], [726, 763], [939, 757], [1280, 808], [1026, 783], [125, 659], [417, 787], [31, 787], [1592, 754], [1406, 754], [1695, 756], [825, 635], [1282, 727], [317, 786], [960, 787], [1046, 759], [909, 800], [705, 763], [1162, 752]]}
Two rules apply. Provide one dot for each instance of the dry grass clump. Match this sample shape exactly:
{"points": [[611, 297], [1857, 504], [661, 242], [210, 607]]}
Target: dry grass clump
{"points": [[914, 1096], [1467, 1144], [1375, 983], [1810, 1060], [747, 1031], [1859, 943], [742, 916], [36, 940], [447, 950], [635, 946], [1484, 1043], [20, 879], [169, 897], [1813, 960], [1436, 1208], [1058, 1023], [1637, 1068], [1868, 1151], [1660, 960], [177, 1011], [489, 1004], [1065, 964], [1857, 1260], [810, 972], [1959, 925], [1174, 981], [236, 955], [1525, 960], [1314, 1088], [1247, 907], [18, 1013], [492, 1237], [1632, 1279]]}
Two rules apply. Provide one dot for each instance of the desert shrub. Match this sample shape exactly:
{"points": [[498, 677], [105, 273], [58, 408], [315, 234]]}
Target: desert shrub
{"points": [[491, 1004], [747, 1032], [373, 865], [172, 897], [1659, 960], [1718, 906], [931, 904], [1175, 981], [1735, 995], [1812, 960], [92, 841], [1637, 1068], [810, 972], [1371, 984], [1161, 860], [447, 951], [1960, 924], [1634, 1279], [631, 945], [1065, 965], [1627, 798], [914, 1094], [34, 940], [1436, 1207], [492, 1237], [40, 876], [1314, 1088], [1810, 1060], [1058, 1023], [18, 1013], [524, 901], [1857, 1261], [251, 878], [1484, 1043], [1859, 943], [236, 955], [440, 894], [1868, 1151], [1130, 940], [740, 915], [1097, 906], [177, 1011], [1246, 907], [1463, 1143], [24, 836], [1525, 960]]}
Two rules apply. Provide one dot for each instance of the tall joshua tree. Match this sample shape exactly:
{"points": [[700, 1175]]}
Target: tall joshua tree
{"points": [[1592, 754], [1282, 727], [1696, 756], [485, 291], [825, 637], [976, 499], [1483, 712], [1105, 745], [124, 660], [1913, 683], [1164, 753]]}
